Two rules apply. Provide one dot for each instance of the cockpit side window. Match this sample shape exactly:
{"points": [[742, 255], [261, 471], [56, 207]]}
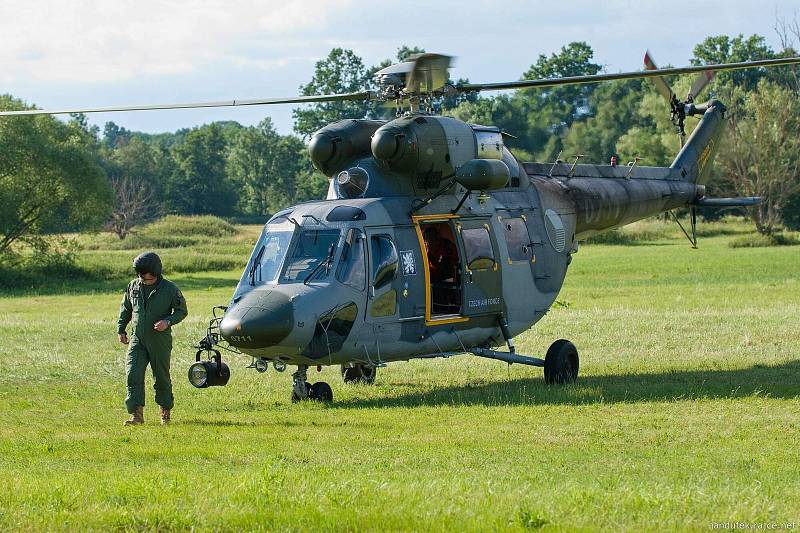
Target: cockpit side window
{"points": [[311, 255], [352, 266]]}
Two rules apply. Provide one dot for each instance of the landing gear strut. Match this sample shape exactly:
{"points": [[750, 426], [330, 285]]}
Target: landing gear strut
{"points": [[303, 390], [561, 363]]}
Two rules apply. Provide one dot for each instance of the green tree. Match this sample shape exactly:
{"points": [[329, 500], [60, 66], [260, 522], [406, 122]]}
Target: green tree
{"points": [[538, 117], [199, 184], [341, 72], [49, 177], [761, 155], [724, 49], [267, 168], [113, 134], [405, 52], [613, 110]]}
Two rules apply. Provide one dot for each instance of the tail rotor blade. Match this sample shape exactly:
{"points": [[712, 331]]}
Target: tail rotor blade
{"points": [[700, 83], [661, 84]]}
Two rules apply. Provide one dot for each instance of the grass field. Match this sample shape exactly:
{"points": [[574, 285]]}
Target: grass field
{"points": [[686, 413]]}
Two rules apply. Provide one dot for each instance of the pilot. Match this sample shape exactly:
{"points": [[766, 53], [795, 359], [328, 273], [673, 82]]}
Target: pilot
{"points": [[152, 305]]}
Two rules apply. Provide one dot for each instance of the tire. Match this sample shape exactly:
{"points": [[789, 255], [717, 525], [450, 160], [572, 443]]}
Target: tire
{"points": [[321, 392], [561, 364], [359, 374], [296, 398]]}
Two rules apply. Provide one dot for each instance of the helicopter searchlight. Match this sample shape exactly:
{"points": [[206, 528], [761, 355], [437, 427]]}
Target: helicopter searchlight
{"points": [[434, 240]]}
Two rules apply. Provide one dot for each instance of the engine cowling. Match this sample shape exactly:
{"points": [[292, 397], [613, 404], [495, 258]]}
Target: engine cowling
{"points": [[431, 148], [334, 147]]}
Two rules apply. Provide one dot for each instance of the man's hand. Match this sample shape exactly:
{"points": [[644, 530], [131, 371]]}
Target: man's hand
{"points": [[123, 338], [161, 325]]}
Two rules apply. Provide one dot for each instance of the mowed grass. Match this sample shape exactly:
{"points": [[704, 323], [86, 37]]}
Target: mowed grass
{"points": [[686, 414]]}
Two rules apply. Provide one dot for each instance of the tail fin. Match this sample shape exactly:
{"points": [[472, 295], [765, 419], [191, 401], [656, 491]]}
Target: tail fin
{"points": [[694, 159]]}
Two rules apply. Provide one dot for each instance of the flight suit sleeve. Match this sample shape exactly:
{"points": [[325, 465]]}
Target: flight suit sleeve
{"points": [[179, 309], [125, 312]]}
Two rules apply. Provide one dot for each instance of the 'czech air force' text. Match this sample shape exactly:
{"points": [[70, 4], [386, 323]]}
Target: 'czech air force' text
{"points": [[484, 302]]}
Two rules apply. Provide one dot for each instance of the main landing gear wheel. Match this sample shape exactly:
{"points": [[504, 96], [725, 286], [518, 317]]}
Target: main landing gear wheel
{"points": [[359, 374], [321, 392], [561, 363]]}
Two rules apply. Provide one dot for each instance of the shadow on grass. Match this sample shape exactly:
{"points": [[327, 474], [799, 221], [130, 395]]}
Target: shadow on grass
{"points": [[781, 381], [83, 286]]}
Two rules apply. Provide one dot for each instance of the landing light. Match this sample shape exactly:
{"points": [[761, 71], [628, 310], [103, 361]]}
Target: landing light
{"points": [[211, 373]]}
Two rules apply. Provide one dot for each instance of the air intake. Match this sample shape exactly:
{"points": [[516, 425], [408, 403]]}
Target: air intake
{"points": [[352, 183]]}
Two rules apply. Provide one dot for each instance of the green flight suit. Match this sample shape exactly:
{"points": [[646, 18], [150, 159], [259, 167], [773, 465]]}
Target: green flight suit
{"points": [[143, 306]]}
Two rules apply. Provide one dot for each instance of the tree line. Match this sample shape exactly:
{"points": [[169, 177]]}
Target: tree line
{"points": [[58, 176]]}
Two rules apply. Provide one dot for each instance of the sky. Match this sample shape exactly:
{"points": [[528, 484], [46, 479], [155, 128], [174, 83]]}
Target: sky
{"points": [[87, 53]]}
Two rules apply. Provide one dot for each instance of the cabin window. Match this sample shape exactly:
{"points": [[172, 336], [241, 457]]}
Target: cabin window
{"points": [[332, 330], [345, 213], [385, 304], [478, 248], [518, 240], [384, 261], [352, 269]]}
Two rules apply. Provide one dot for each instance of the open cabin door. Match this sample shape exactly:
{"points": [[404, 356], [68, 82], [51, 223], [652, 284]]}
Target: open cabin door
{"points": [[462, 273]]}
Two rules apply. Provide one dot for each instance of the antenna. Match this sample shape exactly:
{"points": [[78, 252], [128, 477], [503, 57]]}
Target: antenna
{"points": [[558, 158]]}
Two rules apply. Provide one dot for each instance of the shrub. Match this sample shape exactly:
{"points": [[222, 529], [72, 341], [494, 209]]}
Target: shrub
{"points": [[759, 241], [628, 237], [203, 226]]}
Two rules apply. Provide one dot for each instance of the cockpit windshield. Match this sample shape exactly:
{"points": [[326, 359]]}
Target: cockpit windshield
{"points": [[269, 253], [312, 256]]}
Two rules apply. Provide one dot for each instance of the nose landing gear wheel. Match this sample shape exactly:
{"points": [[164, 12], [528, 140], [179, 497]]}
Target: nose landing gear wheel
{"points": [[359, 374], [561, 363], [320, 392], [296, 398]]}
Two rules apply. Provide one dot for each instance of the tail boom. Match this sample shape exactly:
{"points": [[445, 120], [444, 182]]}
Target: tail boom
{"points": [[606, 197]]}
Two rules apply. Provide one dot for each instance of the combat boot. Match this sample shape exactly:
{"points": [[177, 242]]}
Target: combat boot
{"points": [[137, 418], [164, 416]]}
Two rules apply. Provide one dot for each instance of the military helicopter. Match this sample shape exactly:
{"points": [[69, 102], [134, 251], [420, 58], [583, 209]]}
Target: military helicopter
{"points": [[434, 240]]}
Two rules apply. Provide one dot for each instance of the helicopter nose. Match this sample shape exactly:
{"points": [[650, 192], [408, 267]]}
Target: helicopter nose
{"points": [[260, 319]]}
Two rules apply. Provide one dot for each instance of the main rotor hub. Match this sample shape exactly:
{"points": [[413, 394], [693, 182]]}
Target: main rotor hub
{"points": [[424, 75]]}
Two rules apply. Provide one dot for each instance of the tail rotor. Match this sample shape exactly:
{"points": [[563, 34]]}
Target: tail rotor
{"points": [[678, 109]]}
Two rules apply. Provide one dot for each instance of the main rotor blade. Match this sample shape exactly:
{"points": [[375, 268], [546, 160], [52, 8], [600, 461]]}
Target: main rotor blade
{"points": [[661, 84], [595, 78], [430, 73], [365, 95]]}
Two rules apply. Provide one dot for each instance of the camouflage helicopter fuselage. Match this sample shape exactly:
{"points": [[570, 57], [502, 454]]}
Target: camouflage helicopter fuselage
{"points": [[349, 280]]}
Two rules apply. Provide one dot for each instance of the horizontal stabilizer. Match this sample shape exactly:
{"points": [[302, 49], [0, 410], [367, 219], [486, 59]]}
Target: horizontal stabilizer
{"points": [[746, 201]]}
